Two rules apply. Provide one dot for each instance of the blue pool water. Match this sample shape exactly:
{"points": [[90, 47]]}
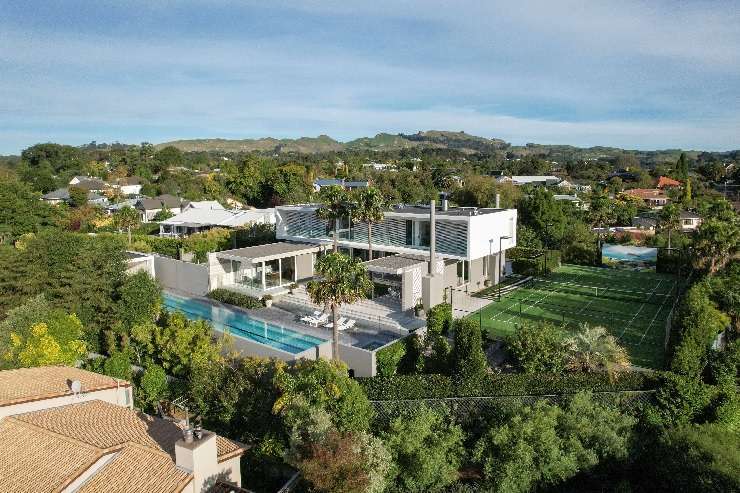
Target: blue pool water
{"points": [[241, 325]]}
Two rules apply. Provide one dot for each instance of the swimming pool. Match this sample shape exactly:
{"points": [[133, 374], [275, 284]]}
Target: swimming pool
{"points": [[241, 325]]}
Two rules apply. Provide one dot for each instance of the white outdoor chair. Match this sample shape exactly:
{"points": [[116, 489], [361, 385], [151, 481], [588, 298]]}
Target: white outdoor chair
{"points": [[340, 322], [350, 323]]}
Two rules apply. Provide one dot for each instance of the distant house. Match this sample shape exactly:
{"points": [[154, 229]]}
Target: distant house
{"points": [[89, 183], [204, 204], [646, 223], [113, 208], [534, 180], [131, 185], [665, 182], [195, 220], [653, 197], [690, 221], [148, 207], [71, 430], [62, 195], [573, 199], [319, 183], [379, 166]]}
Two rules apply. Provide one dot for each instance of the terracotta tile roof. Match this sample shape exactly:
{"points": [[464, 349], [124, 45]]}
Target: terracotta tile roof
{"points": [[47, 450], [647, 193], [137, 468], [105, 426], [33, 459], [47, 382], [664, 181]]}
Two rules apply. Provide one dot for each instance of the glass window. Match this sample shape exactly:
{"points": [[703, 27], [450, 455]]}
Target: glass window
{"points": [[288, 270], [425, 233], [272, 273], [409, 232]]}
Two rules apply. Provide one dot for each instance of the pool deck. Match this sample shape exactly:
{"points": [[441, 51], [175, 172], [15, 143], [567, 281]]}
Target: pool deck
{"points": [[361, 336]]}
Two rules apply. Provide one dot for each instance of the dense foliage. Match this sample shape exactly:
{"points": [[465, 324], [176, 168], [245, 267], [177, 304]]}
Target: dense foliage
{"points": [[234, 298]]}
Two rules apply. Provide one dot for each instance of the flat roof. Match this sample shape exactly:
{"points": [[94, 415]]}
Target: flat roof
{"points": [[271, 251], [394, 264], [452, 211]]}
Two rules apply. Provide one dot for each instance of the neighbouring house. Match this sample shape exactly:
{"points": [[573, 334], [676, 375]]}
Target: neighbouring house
{"points": [[573, 199], [645, 223], [149, 207], [196, 219], [70, 430], [113, 208], [204, 204], [130, 185], [89, 183], [666, 182], [62, 195], [319, 183], [534, 180], [654, 198], [690, 221]]}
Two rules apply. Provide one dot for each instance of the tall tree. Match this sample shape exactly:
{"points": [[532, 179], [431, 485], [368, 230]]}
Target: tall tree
{"points": [[670, 220], [682, 167], [370, 210], [335, 205], [126, 218], [716, 242], [342, 280], [468, 360]]}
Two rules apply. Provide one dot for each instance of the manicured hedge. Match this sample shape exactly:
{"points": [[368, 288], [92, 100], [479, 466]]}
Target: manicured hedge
{"points": [[523, 263], [440, 386], [388, 359], [236, 299], [168, 247], [439, 319]]}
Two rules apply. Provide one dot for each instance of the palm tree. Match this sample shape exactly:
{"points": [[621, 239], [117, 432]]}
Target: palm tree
{"points": [[370, 207], [592, 348], [669, 220], [342, 280], [126, 218], [335, 204]]}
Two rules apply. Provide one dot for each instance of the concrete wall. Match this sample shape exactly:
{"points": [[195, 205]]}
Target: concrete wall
{"points": [[182, 276], [304, 266], [121, 396], [486, 227], [360, 360]]}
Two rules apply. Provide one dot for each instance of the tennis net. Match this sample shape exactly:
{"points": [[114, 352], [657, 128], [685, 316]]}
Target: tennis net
{"points": [[613, 293]]}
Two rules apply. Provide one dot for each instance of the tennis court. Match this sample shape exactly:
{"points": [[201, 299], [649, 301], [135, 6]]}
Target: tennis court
{"points": [[633, 306]]}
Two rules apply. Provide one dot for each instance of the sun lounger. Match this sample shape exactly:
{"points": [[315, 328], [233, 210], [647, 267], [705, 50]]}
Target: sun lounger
{"points": [[340, 322], [350, 323], [316, 321]]}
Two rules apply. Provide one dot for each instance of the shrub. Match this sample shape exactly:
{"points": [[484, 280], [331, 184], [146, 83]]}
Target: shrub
{"points": [[439, 361], [525, 266], [388, 359], [413, 358], [118, 365], [234, 298], [426, 449], [152, 386], [439, 320], [468, 360], [537, 348], [167, 247]]}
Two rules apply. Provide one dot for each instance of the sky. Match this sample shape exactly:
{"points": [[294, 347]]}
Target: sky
{"points": [[639, 75]]}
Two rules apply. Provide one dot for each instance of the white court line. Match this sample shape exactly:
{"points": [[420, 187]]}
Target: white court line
{"points": [[652, 321], [640, 309]]}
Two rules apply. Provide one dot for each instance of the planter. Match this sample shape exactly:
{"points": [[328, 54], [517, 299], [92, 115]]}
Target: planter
{"points": [[268, 302], [487, 283]]}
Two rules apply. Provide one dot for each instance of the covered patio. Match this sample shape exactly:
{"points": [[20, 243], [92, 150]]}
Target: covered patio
{"points": [[265, 269]]}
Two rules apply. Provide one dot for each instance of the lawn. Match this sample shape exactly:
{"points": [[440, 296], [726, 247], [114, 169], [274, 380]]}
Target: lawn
{"points": [[633, 306]]}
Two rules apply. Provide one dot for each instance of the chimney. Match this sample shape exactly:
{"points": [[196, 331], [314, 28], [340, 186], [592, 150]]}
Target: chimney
{"points": [[198, 457], [445, 204], [498, 201], [432, 236]]}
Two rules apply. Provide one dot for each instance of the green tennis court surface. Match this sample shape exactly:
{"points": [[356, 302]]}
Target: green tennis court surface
{"points": [[633, 306]]}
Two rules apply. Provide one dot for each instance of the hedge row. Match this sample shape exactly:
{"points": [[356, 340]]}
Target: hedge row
{"points": [[524, 263], [236, 299], [168, 247], [426, 386]]}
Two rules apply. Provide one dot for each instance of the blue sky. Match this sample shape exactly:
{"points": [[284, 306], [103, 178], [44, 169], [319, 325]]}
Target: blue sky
{"points": [[645, 75]]}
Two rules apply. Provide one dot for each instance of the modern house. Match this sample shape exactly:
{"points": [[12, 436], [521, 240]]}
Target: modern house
{"points": [[70, 430], [573, 199], [467, 245], [62, 195], [196, 219], [533, 180]]}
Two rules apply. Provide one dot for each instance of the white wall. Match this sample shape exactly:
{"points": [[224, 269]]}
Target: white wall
{"points": [[486, 227], [360, 360]]}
